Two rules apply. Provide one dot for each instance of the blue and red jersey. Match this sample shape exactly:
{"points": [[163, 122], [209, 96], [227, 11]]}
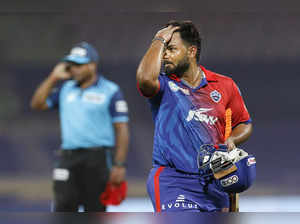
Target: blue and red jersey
{"points": [[186, 118]]}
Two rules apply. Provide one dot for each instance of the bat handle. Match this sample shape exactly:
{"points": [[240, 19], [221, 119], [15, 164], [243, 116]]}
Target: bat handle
{"points": [[234, 202]]}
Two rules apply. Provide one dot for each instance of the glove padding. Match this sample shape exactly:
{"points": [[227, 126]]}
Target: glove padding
{"points": [[216, 159], [223, 163], [234, 171], [233, 156]]}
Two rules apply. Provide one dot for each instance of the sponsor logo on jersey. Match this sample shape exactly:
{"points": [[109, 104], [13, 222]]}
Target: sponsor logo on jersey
{"points": [[251, 161], [96, 98], [229, 181], [199, 115], [175, 88], [215, 96], [179, 203], [180, 198]]}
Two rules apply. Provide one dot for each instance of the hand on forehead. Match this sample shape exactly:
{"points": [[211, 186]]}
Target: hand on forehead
{"points": [[175, 39]]}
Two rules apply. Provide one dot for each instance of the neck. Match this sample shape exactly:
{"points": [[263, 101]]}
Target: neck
{"points": [[193, 75], [88, 82]]}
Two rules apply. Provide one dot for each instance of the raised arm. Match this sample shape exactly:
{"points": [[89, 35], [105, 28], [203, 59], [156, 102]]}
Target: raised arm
{"points": [[149, 67], [38, 100]]}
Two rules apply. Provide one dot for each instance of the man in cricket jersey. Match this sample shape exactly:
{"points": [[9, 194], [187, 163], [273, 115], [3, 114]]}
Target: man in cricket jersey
{"points": [[191, 106]]}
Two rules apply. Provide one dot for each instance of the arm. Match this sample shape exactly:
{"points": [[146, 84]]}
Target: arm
{"points": [[149, 67], [239, 134], [38, 100], [118, 171], [239, 118]]}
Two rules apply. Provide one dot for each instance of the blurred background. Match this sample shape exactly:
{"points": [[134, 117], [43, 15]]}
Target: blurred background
{"points": [[257, 44]]}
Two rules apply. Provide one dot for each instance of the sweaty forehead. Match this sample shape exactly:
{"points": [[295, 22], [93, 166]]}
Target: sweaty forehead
{"points": [[176, 39]]}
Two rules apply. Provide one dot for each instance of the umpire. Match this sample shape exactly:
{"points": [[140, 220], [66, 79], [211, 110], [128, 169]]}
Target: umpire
{"points": [[94, 130]]}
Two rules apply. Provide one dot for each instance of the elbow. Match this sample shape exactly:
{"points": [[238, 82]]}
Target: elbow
{"points": [[147, 83], [250, 129], [247, 132], [140, 76], [144, 80], [143, 76], [36, 106], [33, 105], [144, 83]]}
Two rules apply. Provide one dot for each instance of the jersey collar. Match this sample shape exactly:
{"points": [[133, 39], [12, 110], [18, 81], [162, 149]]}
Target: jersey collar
{"points": [[210, 77], [203, 82], [95, 83], [98, 80]]}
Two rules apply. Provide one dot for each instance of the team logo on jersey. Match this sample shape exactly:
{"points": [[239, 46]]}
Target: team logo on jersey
{"points": [[96, 98], [251, 161], [175, 88], [199, 115], [215, 96], [229, 181]]}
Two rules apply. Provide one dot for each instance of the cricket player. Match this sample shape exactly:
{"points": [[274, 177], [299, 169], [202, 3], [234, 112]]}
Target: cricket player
{"points": [[191, 106], [94, 130]]}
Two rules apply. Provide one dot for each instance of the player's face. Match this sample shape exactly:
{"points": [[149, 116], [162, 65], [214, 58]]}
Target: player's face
{"points": [[175, 57], [79, 72]]}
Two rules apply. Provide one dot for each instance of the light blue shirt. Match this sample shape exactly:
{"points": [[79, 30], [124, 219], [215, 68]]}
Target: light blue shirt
{"points": [[87, 115]]}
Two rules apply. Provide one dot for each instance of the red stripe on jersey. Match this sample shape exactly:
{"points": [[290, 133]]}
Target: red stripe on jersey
{"points": [[174, 77], [156, 188]]}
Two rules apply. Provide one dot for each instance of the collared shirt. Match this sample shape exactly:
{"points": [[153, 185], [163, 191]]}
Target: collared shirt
{"points": [[87, 115], [185, 118]]}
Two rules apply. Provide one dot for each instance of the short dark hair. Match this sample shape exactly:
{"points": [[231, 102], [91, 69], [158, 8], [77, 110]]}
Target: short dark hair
{"points": [[189, 33]]}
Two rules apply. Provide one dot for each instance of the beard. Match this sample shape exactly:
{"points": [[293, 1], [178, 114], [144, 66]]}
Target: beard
{"points": [[82, 78], [178, 70]]}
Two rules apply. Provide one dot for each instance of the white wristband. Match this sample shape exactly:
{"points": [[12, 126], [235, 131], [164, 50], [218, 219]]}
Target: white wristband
{"points": [[160, 39]]}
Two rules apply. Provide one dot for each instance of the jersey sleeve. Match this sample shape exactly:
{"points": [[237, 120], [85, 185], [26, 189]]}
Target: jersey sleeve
{"points": [[53, 99], [237, 105], [156, 100], [158, 91], [118, 108], [157, 97]]}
